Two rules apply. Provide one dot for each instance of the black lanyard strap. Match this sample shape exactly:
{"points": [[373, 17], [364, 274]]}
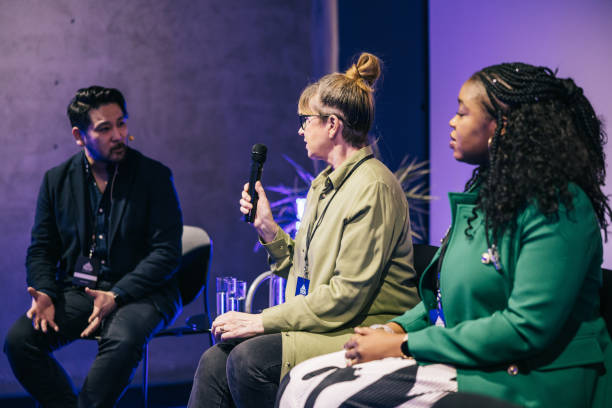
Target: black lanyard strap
{"points": [[314, 226]]}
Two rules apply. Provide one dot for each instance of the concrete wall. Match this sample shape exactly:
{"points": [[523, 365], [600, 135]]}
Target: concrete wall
{"points": [[204, 81], [466, 36]]}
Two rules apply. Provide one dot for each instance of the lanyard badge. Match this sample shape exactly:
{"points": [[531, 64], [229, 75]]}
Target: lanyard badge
{"points": [[86, 271], [302, 286]]}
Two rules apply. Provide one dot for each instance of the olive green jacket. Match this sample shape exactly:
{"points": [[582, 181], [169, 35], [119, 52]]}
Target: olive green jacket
{"points": [[530, 333], [359, 260]]}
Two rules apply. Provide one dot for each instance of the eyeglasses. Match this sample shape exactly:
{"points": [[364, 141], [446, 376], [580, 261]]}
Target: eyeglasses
{"points": [[305, 119]]}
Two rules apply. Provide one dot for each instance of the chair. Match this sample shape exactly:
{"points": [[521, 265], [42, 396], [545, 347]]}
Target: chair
{"points": [[605, 296], [193, 278], [423, 254]]}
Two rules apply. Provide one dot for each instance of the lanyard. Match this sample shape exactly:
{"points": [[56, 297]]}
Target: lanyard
{"points": [[314, 226], [93, 206]]}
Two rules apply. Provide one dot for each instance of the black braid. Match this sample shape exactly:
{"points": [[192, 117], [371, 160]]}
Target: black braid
{"points": [[547, 136]]}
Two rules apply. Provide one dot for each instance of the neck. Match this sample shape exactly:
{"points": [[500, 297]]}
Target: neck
{"points": [[340, 153], [98, 168]]}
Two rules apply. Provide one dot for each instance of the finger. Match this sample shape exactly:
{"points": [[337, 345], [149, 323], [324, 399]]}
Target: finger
{"points": [[260, 190], [33, 292], [246, 187], [43, 325], [246, 197], [217, 322], [36, 322], [245, 206], [363, 330], [30, 313], [229, 335], [91, 292], [351, 357], [95, 314], [91, 328], [53, 325]]}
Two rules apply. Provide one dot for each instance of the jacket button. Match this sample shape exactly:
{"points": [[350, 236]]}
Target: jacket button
{"points": [[287, 364], [512, 369]]}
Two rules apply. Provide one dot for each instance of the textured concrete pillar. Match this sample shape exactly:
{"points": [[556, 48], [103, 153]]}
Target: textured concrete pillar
{"points": [[204, 81]]}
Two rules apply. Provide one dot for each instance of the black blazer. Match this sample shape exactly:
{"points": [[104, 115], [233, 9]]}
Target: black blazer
{"points": [[144, 233]]}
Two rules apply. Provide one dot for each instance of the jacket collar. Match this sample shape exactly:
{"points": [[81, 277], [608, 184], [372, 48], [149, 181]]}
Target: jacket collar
{"points": [[456, 199], [78, 191]]}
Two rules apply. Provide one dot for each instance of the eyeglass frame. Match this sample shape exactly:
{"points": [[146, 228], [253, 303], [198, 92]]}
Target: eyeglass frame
{"points": [[304, 118]]}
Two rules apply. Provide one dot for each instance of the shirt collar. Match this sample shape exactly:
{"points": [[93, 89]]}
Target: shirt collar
{"points": [[331, 178]]}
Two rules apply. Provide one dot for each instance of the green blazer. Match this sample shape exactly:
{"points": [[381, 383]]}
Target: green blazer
{"points": [[530, 333]]}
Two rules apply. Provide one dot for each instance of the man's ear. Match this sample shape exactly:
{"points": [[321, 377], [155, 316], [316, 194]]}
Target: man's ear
{"points": [[78, 136]]}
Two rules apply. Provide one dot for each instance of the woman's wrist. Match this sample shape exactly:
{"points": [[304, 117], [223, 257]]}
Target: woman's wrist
{"points": [[395, 327], [404, 348], [268, 233], [382, 327]]}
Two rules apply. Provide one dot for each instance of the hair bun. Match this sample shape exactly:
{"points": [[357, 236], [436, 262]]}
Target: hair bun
{"points": [[367, 68]]}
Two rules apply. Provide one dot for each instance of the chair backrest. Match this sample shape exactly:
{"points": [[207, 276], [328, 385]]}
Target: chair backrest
{"points": [[423, 254], [195, 263], [605, 296]]}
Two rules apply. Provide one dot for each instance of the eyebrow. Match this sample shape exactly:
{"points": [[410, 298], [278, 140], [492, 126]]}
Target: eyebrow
{"points": [[108, 122]]}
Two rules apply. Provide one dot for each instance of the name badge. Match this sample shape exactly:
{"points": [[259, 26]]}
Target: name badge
{"points": [[86, 272], [436, 316], [302, 286]]}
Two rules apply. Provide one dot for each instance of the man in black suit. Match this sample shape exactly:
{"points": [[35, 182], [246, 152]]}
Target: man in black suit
{"points": [[105, 247]]}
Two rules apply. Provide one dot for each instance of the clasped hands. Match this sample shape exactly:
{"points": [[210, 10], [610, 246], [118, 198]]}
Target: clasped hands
{"points": [[42, 311], [373, 344], [237, 325]]}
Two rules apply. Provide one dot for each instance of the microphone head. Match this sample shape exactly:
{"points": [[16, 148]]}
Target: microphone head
{"points": [[258, 154]]}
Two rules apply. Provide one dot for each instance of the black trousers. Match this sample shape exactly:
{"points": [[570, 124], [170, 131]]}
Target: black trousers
{"points": [[123, 336], [243, 373]]}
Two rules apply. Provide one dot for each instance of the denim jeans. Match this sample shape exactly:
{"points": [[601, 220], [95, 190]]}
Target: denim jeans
{"points": [[243, 373], [122, 338]]}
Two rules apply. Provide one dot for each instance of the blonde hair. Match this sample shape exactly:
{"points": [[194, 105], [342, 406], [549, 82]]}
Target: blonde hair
{"points": [[351, 94]]}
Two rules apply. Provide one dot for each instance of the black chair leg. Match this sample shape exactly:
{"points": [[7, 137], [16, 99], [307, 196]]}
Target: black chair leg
{"points": [[145, 377]]}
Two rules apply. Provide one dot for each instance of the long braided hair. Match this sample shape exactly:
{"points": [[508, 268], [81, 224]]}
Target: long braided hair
{"points": [[547, 136]]}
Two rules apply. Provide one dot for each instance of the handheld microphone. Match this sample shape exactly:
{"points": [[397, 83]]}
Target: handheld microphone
{"points": [[258, 157]]}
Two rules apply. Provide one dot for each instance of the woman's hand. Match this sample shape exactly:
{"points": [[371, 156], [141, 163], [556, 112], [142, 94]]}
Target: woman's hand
{"points": [[264, 222], [370, 344], [237, 325]]}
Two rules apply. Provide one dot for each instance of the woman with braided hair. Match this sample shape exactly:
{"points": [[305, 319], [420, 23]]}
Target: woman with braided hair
{"points": [[510, 303]]}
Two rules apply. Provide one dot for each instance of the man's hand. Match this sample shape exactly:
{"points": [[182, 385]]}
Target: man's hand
{"points": [[237, 325], [264, 222], [370, 344], [104, 304], [42, 311]]}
